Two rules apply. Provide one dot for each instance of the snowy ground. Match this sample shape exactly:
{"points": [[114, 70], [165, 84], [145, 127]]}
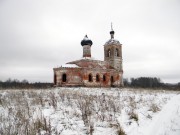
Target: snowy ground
{"points": [[93, 111]]}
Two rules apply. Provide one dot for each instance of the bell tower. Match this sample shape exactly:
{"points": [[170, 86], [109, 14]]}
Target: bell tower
{"points": [[113, 52]]}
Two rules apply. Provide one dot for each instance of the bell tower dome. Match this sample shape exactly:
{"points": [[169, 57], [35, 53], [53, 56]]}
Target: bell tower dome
{"points": [[113, 52], [86, 44]]}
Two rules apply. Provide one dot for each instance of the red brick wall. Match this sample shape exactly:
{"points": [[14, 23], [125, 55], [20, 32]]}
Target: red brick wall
{"points": [[80, 77]]}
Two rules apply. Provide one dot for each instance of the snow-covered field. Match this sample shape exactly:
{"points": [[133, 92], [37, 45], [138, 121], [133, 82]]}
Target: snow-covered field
{"points": [[93, 111]]}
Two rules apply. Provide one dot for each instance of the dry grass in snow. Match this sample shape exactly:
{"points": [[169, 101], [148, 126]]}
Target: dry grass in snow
{"points": [[84, 111]]}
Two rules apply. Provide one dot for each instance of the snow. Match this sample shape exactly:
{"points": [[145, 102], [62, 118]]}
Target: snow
{"points": [[77, 111], [89, 58], [114, 41], [167, 122], [86, 38], [70, 65]]}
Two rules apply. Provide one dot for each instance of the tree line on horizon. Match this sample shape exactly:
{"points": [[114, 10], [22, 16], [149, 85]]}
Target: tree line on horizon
{"points": [[141, 82], [150, 82], [24, 84]]}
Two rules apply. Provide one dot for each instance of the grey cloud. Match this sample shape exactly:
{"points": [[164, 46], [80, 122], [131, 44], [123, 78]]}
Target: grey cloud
{"points": [[36, 36]]}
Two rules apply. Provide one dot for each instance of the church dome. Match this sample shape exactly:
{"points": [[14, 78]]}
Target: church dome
{"points": [[112, 32], [86, 41], [112, 40]]}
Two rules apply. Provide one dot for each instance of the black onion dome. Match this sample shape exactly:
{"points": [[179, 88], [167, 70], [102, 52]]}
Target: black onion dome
{"points": [[86, 41], [112, 32]]}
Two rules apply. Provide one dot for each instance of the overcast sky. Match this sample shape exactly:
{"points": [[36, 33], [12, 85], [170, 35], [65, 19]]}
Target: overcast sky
{"points": [[38, 35]]}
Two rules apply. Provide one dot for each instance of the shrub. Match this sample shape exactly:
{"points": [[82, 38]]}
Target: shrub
{"points": [[120, 131], [154, 108], [134, 116]]}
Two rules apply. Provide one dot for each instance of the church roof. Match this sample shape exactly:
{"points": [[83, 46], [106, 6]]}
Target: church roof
{"points": [[112, 41], [70, 65], [90, 63]]}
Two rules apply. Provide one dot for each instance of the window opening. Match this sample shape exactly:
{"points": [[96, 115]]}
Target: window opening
{"points": [[55, 79], [109, 53], [64, 78], [90, 78], [104, 78], [117, 52], [112, 79], [97, 78]]}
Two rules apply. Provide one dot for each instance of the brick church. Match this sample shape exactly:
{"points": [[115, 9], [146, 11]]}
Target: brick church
{"points": [[88, 72]]}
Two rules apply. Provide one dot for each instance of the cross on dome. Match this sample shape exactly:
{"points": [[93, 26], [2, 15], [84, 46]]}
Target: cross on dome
{"points": [[112, 32]]}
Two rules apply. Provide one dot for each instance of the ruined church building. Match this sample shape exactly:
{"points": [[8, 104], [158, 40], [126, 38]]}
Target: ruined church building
{"points": [[88, 72]]}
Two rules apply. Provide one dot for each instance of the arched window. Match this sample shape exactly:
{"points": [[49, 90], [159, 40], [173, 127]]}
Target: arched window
{"points": [[97, 78], [108, 53], [117, 52], [90, 78], [64, 78], [104, 78], [55, 81], [112, 79]]}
